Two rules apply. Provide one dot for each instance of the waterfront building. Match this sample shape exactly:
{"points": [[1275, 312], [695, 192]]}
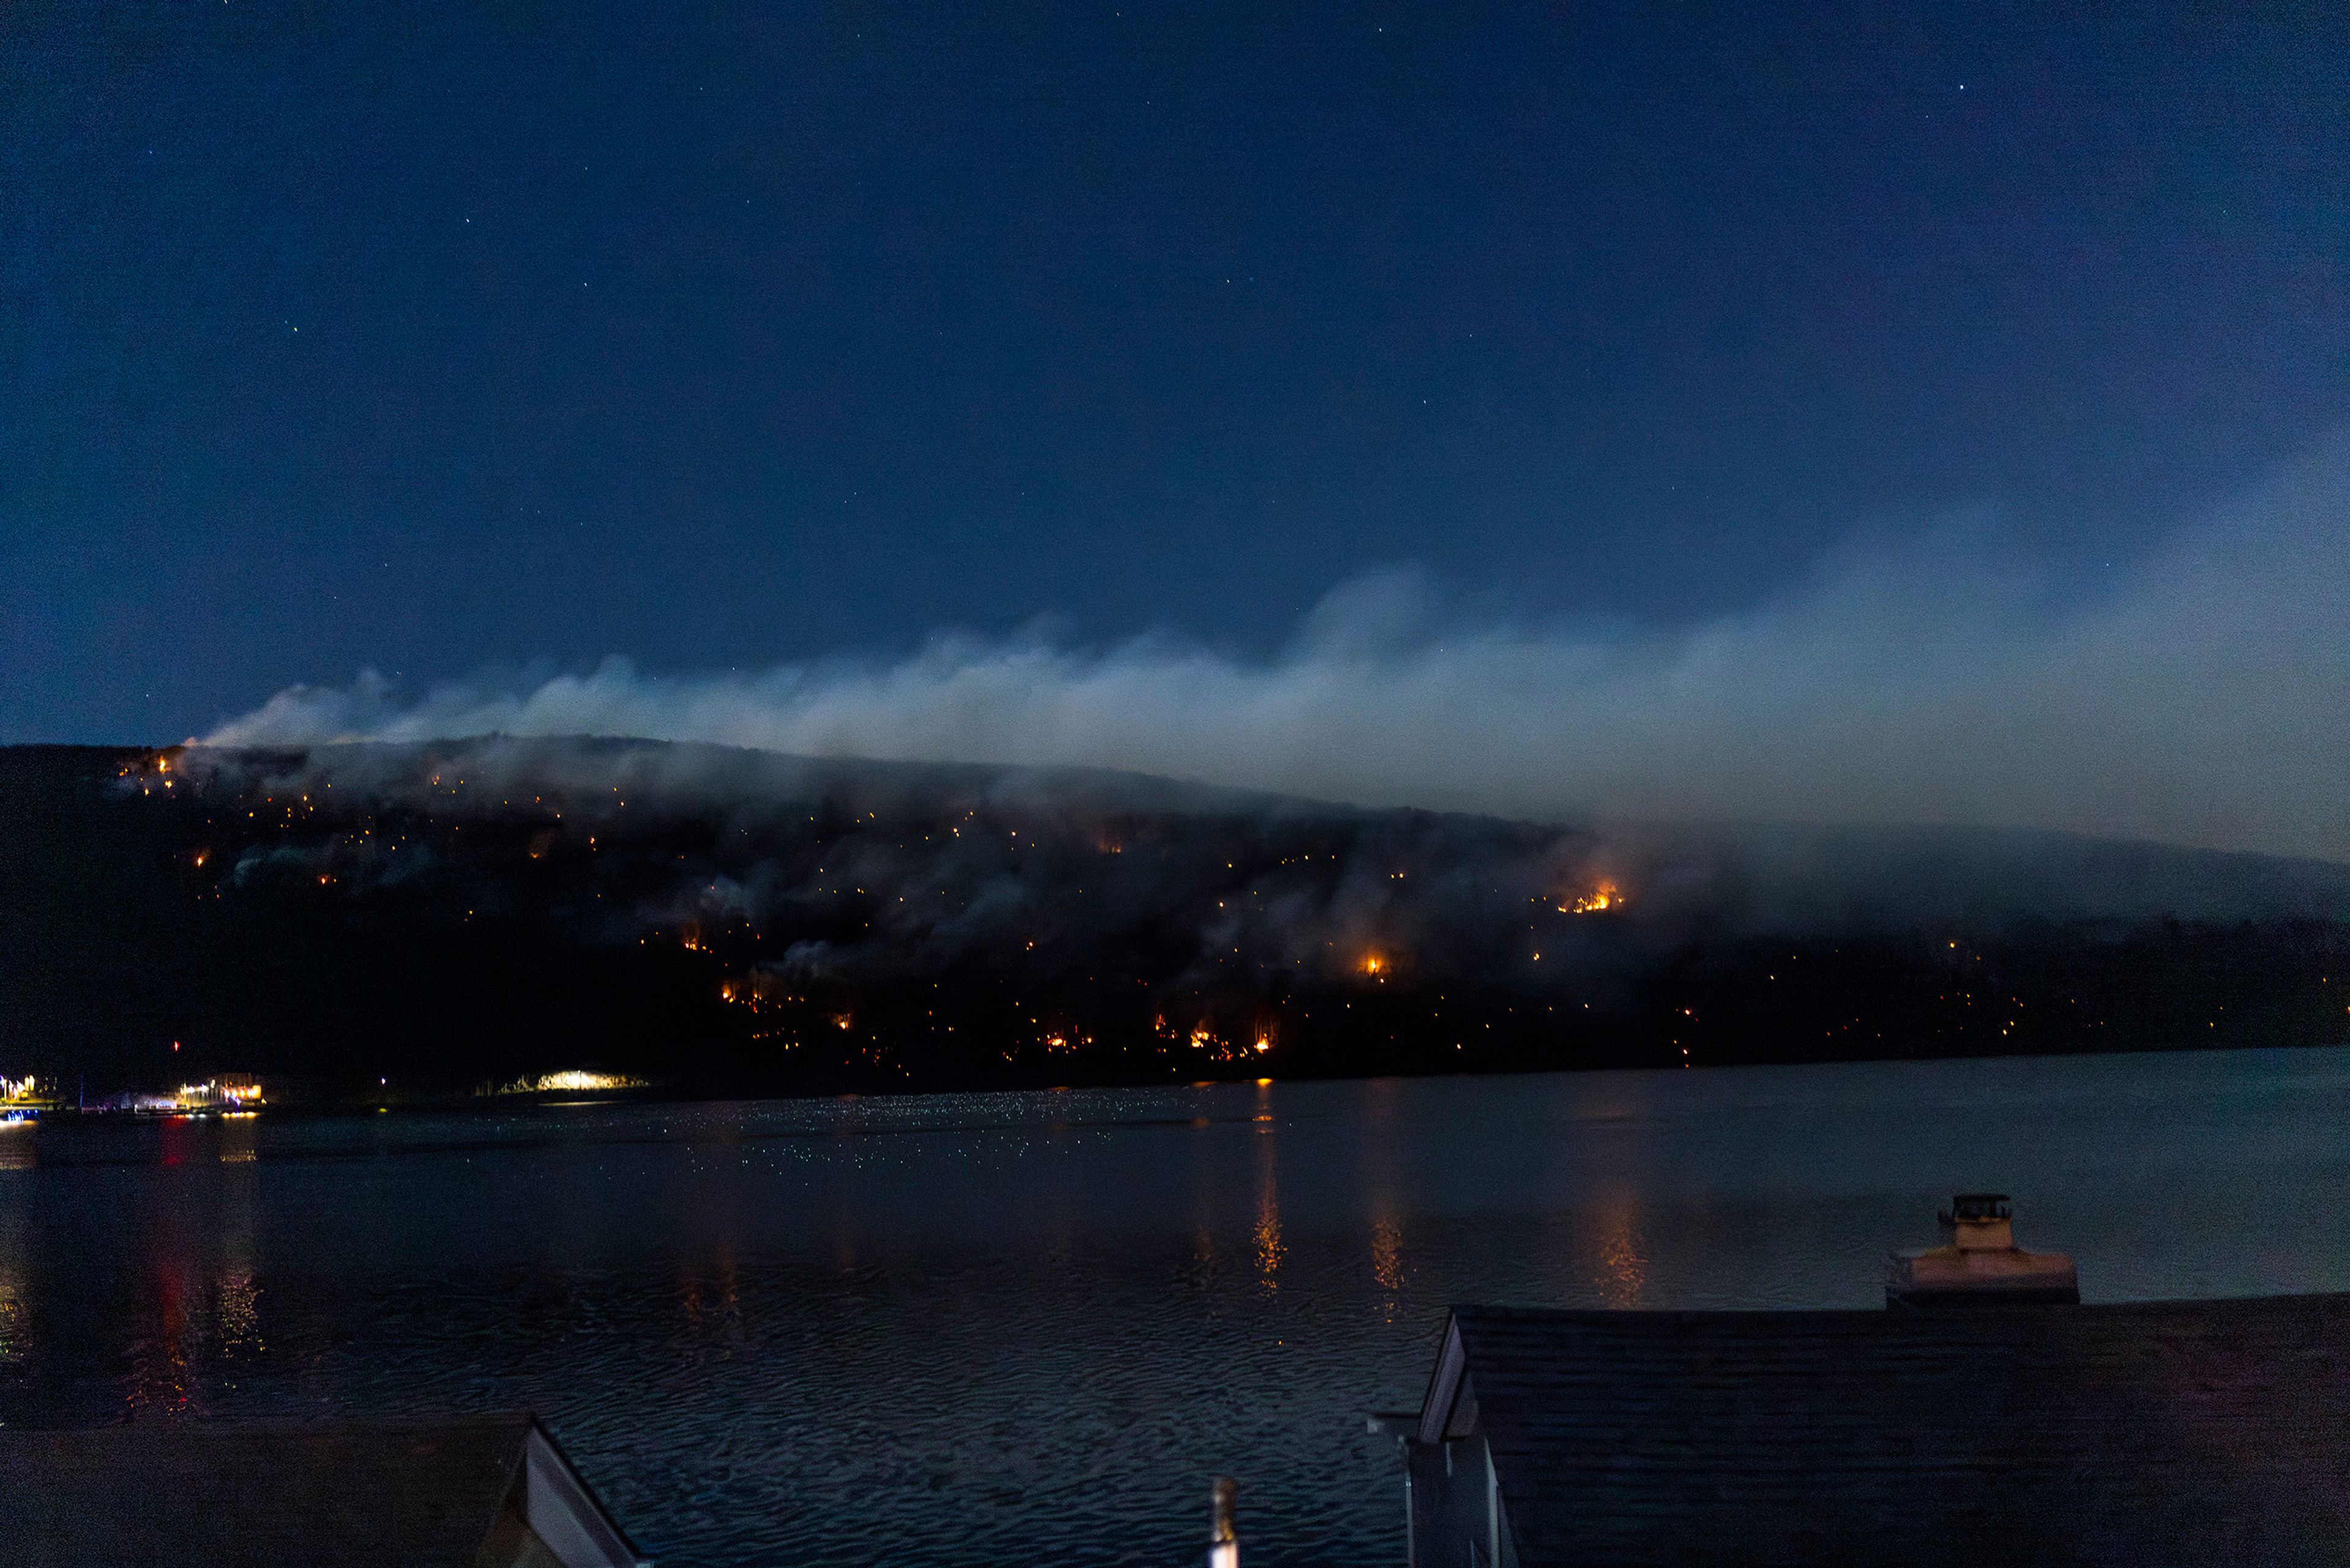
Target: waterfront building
{"points": [[1959, 1427], [489, 1492]]}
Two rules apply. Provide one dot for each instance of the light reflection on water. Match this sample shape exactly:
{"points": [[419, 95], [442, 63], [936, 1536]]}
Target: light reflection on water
{"points": [[961, 1329]]}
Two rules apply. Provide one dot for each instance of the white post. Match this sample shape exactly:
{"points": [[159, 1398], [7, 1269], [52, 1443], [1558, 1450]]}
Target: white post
{"points": [[1223, 1544]]}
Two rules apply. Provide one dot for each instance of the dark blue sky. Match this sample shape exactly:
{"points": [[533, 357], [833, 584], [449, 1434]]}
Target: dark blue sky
{"points": [[371, 335]]}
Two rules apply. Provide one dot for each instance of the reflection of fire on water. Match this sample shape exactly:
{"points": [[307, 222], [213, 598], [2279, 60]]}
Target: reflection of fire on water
{"points": [[715, 1307], [1269, 1250], [1387, 1255], [238, 1315], [1623, 1268], [159, 1377], [13, 1340]]}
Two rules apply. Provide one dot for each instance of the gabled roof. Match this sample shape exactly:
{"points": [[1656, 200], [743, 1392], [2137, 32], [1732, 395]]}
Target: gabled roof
{"points": [[356, 1494], [2200, 1433]]}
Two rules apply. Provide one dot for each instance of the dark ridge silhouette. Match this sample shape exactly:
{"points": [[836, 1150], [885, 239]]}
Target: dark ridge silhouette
{"points": [[472, 913]]}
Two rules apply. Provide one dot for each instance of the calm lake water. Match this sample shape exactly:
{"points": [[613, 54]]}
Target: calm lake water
{"points": [[975, 1329]]}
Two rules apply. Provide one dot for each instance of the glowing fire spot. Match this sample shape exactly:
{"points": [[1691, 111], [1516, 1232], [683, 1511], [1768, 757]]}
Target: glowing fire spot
{"points": [[1375, 965], [1605, 896]]}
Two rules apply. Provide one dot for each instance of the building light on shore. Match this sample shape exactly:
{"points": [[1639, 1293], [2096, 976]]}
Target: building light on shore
{"points": [[571, 1080]]}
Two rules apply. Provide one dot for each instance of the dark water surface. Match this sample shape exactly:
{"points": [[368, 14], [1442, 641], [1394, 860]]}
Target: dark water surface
{"points": [[972, 1329]]}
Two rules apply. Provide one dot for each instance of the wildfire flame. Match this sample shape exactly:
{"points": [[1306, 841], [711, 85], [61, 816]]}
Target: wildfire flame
{"points": [[1605, 896]]}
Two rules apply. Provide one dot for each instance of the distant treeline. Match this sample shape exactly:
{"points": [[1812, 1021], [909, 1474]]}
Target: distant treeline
{"points": [[441, 922]]}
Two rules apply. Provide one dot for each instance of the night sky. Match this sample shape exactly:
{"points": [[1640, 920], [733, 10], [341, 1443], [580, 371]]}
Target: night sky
{"points": [[715, 337]]}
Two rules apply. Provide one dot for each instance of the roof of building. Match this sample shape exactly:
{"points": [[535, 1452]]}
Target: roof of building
{"points": [[2172, 1432], [472, 1490]]}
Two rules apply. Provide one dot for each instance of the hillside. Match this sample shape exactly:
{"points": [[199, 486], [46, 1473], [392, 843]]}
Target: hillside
{"points": [[471, 913]]}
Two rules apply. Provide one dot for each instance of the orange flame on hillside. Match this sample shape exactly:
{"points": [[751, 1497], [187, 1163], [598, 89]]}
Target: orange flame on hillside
{"points": [[1602, 899]]}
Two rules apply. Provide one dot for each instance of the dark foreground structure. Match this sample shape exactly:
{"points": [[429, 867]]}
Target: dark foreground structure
{"points": [[2202, 1433], [483, 1492]]}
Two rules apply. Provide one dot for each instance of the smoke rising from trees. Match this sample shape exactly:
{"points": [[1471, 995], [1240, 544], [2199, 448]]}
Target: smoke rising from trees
{"points": [[2196, 697]]}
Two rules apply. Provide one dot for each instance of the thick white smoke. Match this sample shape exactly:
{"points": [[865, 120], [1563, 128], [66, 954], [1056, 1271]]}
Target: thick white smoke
{"points": [[2200, 697]]}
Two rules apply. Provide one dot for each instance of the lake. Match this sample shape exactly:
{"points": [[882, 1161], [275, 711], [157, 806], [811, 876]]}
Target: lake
{"points": [[978, 1328]]}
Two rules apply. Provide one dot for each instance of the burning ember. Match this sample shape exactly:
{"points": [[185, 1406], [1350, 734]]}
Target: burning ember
{"points": [[754, 990]]}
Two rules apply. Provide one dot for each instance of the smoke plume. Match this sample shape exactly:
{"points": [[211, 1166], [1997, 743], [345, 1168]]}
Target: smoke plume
{"points": [[2197, 698]]}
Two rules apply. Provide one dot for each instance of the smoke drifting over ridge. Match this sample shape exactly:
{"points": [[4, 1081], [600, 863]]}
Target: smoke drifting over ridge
{"points": [[2197, 698], [494, 909]]}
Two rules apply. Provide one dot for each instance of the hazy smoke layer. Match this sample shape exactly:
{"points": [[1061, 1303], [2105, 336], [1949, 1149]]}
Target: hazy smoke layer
{"points": [[2200, 697]]}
